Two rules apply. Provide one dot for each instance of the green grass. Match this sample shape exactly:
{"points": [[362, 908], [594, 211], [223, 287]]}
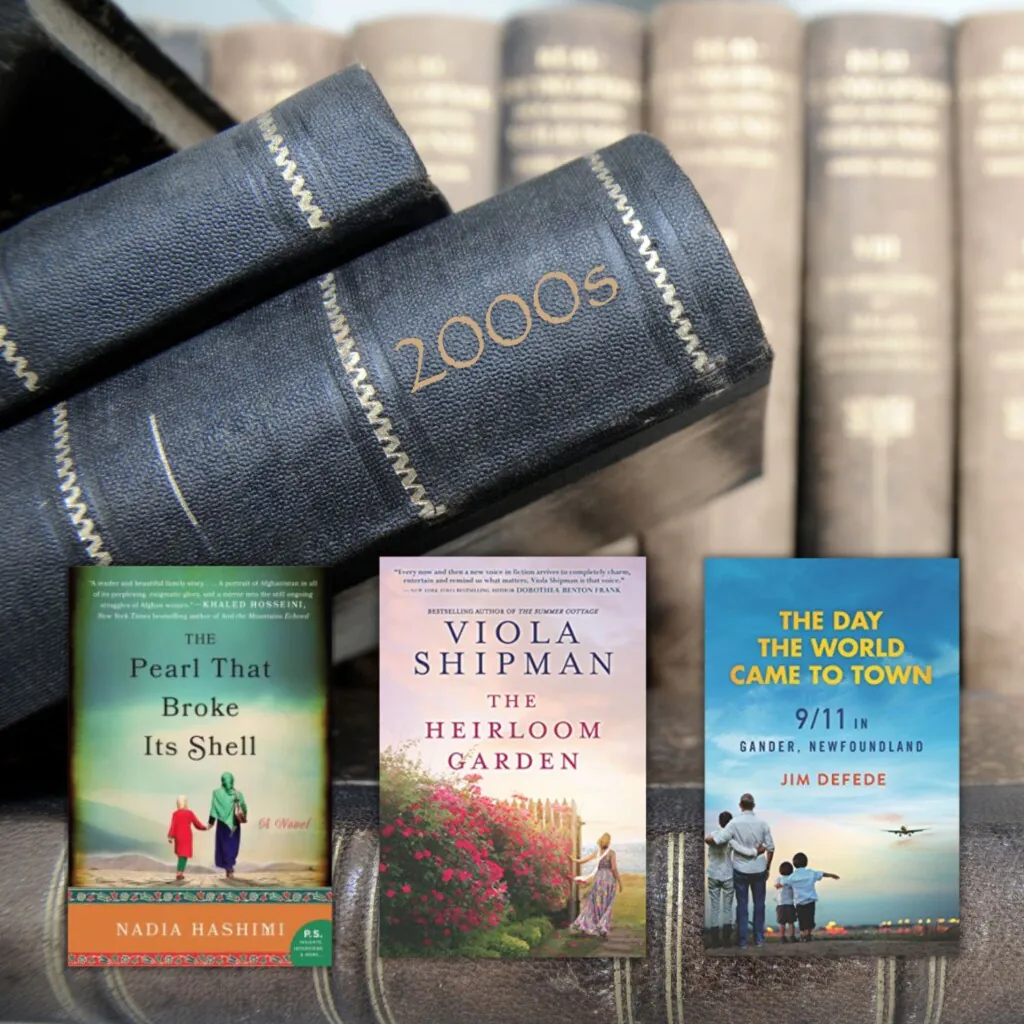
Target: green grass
{"points": [[629, 923]]}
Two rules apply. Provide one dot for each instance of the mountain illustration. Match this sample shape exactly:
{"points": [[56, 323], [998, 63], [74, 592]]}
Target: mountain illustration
{"points": [[140, 862], [102, 829], [143, 862], [109, 838]]}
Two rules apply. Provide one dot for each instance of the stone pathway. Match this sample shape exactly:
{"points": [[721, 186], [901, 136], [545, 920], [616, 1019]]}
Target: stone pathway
{"points": [[564, 943], [122, 879], [620, 942]]}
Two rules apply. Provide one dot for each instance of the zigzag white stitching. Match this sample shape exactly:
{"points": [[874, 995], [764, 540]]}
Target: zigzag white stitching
{"points": [[290, 172], [372, 406], [9, 352], [77, 509], [652, 260]]}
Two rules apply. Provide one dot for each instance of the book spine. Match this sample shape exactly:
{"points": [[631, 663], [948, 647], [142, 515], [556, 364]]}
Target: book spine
{"points": [[673, 984], [879, 316], [186, 46], [357, 411], [572, 81], [726, 97], [88, 288], [254, 67], [990, 88], [441, 77]]}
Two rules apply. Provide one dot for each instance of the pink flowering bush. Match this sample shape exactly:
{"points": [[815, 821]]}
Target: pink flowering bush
{"points": [[455, 864]]}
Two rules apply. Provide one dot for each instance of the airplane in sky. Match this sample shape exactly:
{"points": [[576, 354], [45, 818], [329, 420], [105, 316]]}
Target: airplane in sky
{"points": [[904, 831]]}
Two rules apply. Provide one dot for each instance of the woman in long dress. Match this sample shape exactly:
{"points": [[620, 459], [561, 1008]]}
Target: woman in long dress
{"points": [[228, 837], [595, 917]]}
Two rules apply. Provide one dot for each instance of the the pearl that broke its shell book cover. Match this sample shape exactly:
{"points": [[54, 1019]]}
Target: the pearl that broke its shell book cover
{"points": [[832, 756], [513, 757], [200, 771]]}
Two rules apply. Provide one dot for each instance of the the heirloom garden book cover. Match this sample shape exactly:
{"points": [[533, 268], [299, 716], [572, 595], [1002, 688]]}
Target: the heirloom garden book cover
{"points": [[513, 757], [832, 756], [199, 767]]}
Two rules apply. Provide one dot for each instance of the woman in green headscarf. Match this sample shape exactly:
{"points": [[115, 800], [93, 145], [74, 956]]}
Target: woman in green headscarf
{"points": [[227, 802]]}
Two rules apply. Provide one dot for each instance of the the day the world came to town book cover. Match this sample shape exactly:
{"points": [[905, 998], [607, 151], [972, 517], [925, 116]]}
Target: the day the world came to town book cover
{"points": [[200, 772], [832, 756], [513, 757]]}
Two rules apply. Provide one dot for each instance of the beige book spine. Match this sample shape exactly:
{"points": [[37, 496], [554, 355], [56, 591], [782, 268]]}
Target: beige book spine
{"points": [[441, 76], [572, 82], [726, 97], [254, 67], [990, 95], [879, 313]]}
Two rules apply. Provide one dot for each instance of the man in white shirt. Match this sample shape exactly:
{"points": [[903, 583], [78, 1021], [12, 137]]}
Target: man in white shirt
{"points": [[750, 873], [720, 885]]}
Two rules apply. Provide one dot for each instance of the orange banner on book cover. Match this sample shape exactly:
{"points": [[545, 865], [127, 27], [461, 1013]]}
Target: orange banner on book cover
{"points": [[184, 928]]}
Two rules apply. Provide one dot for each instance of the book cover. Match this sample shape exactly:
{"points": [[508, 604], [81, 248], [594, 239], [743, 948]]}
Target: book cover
{"points": [[832, 756], [199, 768], [513, 757]]}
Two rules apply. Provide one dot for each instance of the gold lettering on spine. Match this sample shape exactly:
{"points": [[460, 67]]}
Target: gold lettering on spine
{"points": [[445, 117], [884, 334], [880, 119], [420, 383], [17, 362], [524, 309], [728, 109], [67, 480], [556, 275], [652, 261], [999, 132], [878, 294], [566, 104], [461, 364], [315, 217], [370, 402], [604, 282], [519, 302], [875, 105]]}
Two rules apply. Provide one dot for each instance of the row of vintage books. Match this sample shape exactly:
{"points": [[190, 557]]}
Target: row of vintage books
{"points": [[867, 172]]}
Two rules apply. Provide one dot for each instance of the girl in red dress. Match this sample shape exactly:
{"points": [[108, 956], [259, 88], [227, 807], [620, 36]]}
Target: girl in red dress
{"points": [[180, 833]]}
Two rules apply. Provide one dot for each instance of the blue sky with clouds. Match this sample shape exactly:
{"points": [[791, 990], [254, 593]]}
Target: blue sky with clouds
{"points": [[843, 826]]}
